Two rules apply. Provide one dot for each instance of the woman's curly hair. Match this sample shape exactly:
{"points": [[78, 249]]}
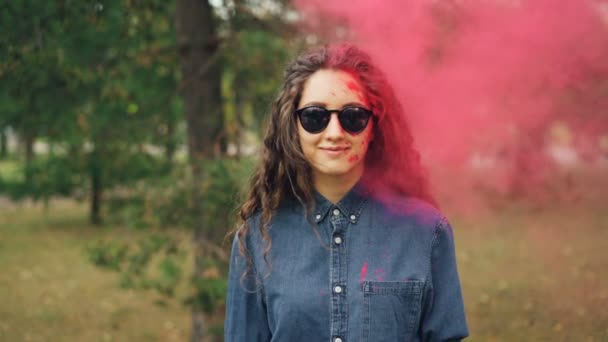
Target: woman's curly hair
{"points": [[391, 163]]}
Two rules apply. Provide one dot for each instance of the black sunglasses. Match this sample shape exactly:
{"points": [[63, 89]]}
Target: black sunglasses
{"points": [[314, 119]]}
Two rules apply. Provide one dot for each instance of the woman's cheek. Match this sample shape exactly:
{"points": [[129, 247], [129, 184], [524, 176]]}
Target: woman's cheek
{"points": [[366, 141], [353, 158]]}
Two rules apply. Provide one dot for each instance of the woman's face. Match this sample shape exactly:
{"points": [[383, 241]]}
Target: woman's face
{"points": [[334, 151]]}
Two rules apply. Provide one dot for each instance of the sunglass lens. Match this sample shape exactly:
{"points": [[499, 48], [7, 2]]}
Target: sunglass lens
{"points": [[354, 119], [314, 119]]}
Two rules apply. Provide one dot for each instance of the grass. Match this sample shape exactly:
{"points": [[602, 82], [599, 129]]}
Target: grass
{"points": [[537, 271], [535, 277], [529, 273], [50, 292]]}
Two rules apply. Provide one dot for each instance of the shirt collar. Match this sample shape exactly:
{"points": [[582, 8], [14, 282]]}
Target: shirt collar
{"points": [[349, 206]]}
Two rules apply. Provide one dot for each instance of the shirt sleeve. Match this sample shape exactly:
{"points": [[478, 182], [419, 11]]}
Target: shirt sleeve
{"points": [[246, 318], [443, 315]]}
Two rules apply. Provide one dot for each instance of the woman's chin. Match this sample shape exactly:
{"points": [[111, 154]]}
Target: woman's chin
{"points": [[337, 171]]}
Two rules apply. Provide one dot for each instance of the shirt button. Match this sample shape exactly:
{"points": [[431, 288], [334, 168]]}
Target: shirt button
{"points": [[353, 217], [318, 217], [338, 289], [337, 240], [337, 339], [336, 212]]}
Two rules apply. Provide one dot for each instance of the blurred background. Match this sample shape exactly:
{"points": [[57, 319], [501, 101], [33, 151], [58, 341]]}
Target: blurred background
{"points": [[129, 128]]}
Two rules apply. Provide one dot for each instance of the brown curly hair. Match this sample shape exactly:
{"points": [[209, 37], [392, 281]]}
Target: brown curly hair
{"points": [[391, 163]]}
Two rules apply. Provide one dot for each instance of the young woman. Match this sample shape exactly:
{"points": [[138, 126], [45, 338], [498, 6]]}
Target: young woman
{"points": [[340, 239]]}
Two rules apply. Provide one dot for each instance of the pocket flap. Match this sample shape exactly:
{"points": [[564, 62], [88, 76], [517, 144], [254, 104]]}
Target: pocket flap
{"points": [[392, 287]]}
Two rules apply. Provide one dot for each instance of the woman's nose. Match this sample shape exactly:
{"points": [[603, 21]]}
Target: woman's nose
{"points": [[334, 129]]}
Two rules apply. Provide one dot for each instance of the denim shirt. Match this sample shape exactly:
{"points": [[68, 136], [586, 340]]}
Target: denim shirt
{"points": [[373, 272]]}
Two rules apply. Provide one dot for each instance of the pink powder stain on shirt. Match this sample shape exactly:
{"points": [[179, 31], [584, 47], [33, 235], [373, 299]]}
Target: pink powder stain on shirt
{"points": [[379, 273], [363, 272]]}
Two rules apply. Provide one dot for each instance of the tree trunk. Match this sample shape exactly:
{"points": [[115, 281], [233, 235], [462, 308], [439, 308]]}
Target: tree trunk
{"points": [[3, 144], [239, 118], [170, 145], [28, 145], [95, 173], [200, 87]]}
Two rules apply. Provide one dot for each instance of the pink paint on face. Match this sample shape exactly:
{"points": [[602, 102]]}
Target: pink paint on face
{"points": [[353, 158], [363, 272], [353, 86]]}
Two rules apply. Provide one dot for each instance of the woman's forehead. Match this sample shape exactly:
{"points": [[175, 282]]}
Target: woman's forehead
{"points": [[331, 86]]}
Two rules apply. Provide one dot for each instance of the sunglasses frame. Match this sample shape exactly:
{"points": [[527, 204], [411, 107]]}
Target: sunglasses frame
{"points": [[339, 112]]}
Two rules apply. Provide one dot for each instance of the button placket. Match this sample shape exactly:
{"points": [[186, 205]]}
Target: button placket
{"points": [[338, 273]]}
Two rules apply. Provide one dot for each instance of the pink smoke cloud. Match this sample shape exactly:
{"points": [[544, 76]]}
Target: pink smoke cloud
{"points": [[472, 72]]}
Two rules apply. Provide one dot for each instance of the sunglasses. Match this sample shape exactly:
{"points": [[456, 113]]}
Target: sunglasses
{"points": [[314, 119]]}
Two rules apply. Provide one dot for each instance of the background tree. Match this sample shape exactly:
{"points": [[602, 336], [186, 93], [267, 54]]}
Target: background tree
{"points": [[93, 82], [113, 90]]}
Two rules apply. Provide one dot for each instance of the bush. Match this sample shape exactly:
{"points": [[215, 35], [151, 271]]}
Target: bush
{"points": [[167, 201]]}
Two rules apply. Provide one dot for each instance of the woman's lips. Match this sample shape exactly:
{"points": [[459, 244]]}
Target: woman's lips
{"points": [[334, 151]]}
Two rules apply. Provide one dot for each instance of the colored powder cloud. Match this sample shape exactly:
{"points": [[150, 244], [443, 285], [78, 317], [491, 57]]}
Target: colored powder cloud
{"points": [[473, 74]]}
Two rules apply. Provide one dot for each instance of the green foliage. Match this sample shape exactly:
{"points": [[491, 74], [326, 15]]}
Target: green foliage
{"points": [[108, 255], [216, 330], [50, 176], [255, 79], [46, 177], [156, 262], [210, 294], [97, 78], [170, 274], [151, 263], [166, 201]]}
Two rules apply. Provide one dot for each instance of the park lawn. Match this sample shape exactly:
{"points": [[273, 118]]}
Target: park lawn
{"points": [[535, 275], [49, 291], [533, 271], [527, 275]]}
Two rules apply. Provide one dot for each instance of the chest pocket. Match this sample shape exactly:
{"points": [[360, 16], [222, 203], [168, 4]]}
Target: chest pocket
{"points": [[391, 310]]}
